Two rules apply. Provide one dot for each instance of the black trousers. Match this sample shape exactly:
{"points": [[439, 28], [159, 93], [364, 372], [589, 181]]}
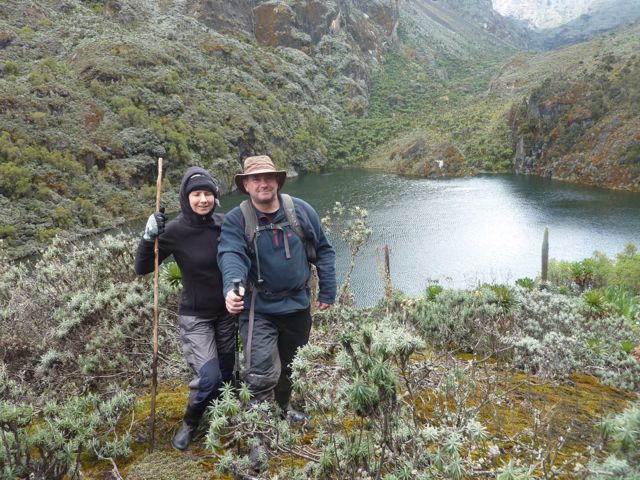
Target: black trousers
{"points": [[276, 338]]}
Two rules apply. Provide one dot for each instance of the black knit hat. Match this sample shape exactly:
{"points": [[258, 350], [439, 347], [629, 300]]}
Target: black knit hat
{"points": [[199, 181]]}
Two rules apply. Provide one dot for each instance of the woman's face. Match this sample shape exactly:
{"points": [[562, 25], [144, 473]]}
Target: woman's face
{"points": [[201, 201]]}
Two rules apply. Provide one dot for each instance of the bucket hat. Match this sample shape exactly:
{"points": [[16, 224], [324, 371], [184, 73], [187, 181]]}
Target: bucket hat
{"points": [[256, 165]]}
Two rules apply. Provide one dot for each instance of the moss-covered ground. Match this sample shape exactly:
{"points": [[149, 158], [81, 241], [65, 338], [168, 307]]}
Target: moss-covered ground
{"points": [[528, 417]]}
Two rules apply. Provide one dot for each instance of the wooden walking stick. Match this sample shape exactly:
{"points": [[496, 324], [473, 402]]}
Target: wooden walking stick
{"points": [[156, 315]]}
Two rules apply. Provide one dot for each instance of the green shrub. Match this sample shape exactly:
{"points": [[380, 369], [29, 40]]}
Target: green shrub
{"points": [[210, 143], [538, 331], [626, 272], [86, 212], [44, 234], [26, 32], [96, 312], [11, 67], [598, 271], [623, 432], [171, 274], [15, 181], [623, 302], [132, 116], [368, 429], [526, 282], [47, 442], [7, 231]]}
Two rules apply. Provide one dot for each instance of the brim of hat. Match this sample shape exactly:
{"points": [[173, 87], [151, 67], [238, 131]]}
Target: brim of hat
{"points": [[281, 176]]}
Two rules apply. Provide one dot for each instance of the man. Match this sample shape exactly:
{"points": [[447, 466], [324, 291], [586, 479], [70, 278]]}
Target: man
{"points": [[273, 266]]}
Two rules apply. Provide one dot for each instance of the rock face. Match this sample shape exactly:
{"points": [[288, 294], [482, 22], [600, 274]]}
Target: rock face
{"points": [[303, 23], [584, 132]]}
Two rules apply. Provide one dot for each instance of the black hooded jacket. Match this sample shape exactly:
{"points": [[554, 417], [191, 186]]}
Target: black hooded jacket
{"points": [[192, 239]]}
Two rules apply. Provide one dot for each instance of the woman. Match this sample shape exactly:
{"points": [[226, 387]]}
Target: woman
{"points": [[207, 330]]}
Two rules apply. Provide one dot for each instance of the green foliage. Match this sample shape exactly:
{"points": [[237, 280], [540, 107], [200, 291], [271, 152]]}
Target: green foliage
{"points": [[352, 382], [171, 274], [171, 83], [7, 231], [210, 143], [132, 116], [351, 227], [623, 302], [309, 145], [47, 442], [526, 282], [15, 181], [433, 291], [619, 278], [11, 67], [469, 321], [623, 431], [96, 311], [538, 331], [26, 32], [626, 272], [85, 211]]}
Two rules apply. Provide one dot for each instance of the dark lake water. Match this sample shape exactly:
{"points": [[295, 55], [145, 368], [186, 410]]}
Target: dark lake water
{"points": [[460, 232]]}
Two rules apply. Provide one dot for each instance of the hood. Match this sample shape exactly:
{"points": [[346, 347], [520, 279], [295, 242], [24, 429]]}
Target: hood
{"points": [[191, 216]]}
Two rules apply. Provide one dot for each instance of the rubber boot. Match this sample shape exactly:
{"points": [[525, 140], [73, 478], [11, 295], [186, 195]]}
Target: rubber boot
{"points": [[183, 436], [293, 415]]}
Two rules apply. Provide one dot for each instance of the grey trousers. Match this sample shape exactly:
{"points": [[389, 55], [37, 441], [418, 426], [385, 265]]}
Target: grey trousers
{"points": [[208, 345], [276, 338]]}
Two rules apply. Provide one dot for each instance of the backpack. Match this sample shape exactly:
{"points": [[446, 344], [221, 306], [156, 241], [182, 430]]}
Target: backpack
{"points": [[252, 230]]}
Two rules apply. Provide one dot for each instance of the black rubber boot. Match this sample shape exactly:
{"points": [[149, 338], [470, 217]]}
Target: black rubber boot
{"points": [[183, 436], [293, 415], [187, 430]]}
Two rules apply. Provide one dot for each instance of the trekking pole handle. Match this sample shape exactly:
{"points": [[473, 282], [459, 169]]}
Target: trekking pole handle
{"points": [[236, 286]]}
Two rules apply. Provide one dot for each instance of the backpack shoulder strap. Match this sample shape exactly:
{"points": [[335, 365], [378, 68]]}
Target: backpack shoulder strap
{"points": [[292, 216], [294, 223], [250, 220]]}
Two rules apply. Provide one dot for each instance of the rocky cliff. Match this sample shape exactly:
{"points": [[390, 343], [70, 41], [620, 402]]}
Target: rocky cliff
{"points": [[584, 126]]}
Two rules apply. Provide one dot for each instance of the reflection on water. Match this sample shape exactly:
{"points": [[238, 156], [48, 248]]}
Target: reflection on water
{"points": [[464, 231]]}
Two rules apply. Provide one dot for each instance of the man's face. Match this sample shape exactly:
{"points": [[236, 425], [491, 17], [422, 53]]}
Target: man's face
{"points": [[262, 187]]}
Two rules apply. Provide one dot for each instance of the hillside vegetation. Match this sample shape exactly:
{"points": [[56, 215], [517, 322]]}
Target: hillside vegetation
{"points": [[93, 91], [570, 114]]}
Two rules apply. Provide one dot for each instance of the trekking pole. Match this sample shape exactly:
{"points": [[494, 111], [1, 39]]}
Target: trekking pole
{"points": [[154, 361], [236, 365]]}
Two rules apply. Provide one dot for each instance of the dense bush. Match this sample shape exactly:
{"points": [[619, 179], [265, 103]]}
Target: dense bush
{"points": [[539, 331], [623, 431], [46, 441], [364, 390], [95, 310], [599, 271]]}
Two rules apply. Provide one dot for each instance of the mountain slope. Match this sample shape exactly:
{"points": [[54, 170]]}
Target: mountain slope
{"points": [[582, 123], [92, 92], [570, 114]]}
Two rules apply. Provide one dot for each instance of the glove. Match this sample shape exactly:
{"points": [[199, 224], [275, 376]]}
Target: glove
{"points": [[155, 225]]}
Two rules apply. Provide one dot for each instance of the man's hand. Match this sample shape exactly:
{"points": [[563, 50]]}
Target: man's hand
{"points": [[322, 306], [234, 302]]}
